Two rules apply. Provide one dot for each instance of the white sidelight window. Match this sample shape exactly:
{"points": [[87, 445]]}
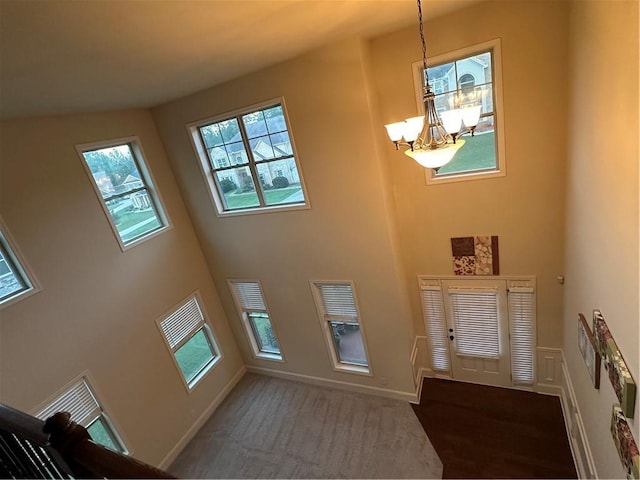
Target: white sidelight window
{"points": [[15, 281], [81, 402], [338, 313], [190, 341], [249, 160], [251, 306], [123, 183], [522, 326], [436, 325]]}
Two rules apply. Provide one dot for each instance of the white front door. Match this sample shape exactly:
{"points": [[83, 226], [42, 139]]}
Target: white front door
{"points": [[478, 330]]}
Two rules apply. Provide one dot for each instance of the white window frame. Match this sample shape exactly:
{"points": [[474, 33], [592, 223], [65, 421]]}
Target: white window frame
{"points": [[209, 174], [147, 180], [498, 108], [244, 311], [91, 408], [516, 286], [325, 323], [201, 324], [15, 259]]}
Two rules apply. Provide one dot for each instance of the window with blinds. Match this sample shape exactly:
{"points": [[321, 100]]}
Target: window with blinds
{"points": [[522, 328], [337, 309], [81, 403], [436, 326], [252, 309], [190, 341]]}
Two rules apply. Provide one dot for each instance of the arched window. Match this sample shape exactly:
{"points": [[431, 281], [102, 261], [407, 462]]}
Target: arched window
{"points": [[467, 83]]}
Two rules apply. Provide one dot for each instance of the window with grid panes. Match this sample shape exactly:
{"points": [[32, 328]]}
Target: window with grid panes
{"points": [[250, 161], [123, 184], [14, 281], [464, 79]]}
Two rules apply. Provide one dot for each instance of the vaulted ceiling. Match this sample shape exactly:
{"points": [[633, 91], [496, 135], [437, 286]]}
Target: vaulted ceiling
{"points": [[62, 56]]}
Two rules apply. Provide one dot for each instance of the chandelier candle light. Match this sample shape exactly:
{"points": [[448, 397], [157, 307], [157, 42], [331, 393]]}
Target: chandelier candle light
{"points": [[433, 141]]}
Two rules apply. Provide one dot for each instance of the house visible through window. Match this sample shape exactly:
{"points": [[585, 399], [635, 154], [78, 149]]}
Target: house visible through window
{"points": [[250, 161], [14, 281], [337, 309], [190, 341], [255, 317], [81, 402], [462, 80], [124, 185]]}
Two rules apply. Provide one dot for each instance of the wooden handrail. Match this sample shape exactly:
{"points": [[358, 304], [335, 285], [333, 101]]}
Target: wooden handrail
{"points": [[24, 448], [60, 448], [90, 460]]}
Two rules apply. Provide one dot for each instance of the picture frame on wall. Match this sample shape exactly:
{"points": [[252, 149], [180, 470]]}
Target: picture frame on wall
{"points": [[589, 350], [625, 443], [615, 365]]}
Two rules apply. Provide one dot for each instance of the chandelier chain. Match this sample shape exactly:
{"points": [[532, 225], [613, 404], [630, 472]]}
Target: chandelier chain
{"points": [[424, 45]]}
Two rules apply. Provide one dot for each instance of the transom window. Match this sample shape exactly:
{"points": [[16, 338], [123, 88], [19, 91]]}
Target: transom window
{"points": [[465, 79], [250, 161], [190, 341], [255, 318], [81, 402], [336, 305], [14, 281], [123, 184]]}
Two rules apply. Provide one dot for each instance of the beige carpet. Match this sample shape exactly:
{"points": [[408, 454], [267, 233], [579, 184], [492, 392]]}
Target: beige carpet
{"points": [[273, 428]]}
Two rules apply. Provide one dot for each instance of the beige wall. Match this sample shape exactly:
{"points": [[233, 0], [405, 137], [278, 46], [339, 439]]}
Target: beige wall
{"points": [[346, 235], [98, 305], [525, 208], [602, 204]]}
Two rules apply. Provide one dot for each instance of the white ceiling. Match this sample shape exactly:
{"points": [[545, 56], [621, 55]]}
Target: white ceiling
{"points": [[63, 56]]}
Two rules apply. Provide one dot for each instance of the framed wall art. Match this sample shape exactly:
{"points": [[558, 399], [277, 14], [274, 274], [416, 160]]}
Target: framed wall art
{"points": [[619, 375], [625, 443], [589, 350]]}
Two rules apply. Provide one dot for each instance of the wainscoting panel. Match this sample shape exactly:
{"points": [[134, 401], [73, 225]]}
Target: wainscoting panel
{"points": [[549, 371], [575, 428]]}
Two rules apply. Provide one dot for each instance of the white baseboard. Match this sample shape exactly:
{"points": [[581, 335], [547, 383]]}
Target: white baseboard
{"points": [[323, 382], [186, 438], [578, 440]]}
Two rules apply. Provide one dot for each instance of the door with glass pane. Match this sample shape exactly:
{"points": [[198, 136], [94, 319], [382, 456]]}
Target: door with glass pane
{"points": [[478, 330]]}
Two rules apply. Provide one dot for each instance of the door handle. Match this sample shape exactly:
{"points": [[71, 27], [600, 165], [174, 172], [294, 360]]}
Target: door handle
{"points": [[451, 337]]}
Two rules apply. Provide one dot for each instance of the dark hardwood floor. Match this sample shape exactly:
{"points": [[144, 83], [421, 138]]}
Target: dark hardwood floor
{"points": [[489, 432]]}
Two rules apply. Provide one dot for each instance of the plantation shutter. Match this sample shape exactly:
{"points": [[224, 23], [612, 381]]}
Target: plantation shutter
{"points": [[338, 301], [79, 401], [522, 328], [181, 324], [436, 326], [249, 295], [475, 317]]}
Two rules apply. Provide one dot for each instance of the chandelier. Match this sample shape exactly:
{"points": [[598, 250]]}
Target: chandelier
{"points": [[433, 141]]}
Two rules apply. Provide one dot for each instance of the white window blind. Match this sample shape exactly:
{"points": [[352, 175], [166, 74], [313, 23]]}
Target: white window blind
{"points": [[475, 316], [79, 401], [521, 302], [249, 295], [338, 302], [179, 326], [436, 326]]}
